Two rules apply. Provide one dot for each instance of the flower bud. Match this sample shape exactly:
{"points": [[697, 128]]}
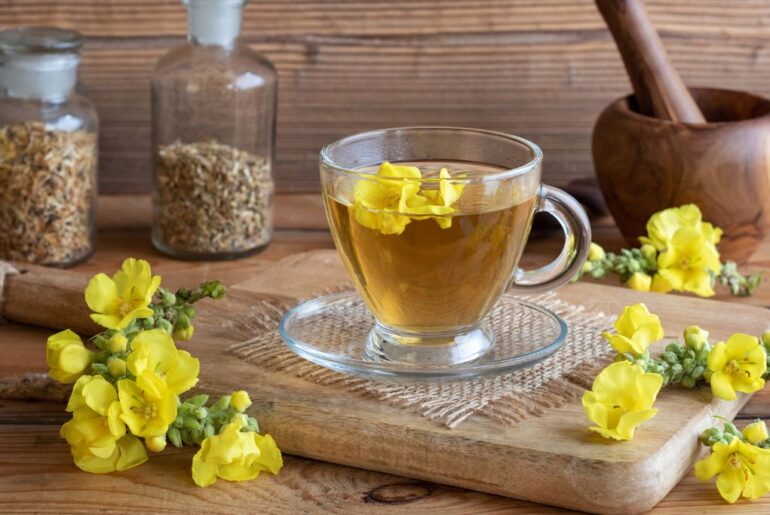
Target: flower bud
{"points": [[649, 252], [156, 443], [587, 266], [222, 403], [766, 338], [117, 343], [184, 334], [116, 367], [596, 253], [192, 424], [175, 437], [639, 281], [165, 325], [756, 432], [166, 297], [695, 337], [240, 401], [201, 412], [67, 357]]}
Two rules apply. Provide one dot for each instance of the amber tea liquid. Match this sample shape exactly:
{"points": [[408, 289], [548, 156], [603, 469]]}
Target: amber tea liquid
{"points": [[428, 278]]}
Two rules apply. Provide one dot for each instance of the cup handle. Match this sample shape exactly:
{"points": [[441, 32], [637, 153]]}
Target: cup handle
{"points": [[577, 238]]}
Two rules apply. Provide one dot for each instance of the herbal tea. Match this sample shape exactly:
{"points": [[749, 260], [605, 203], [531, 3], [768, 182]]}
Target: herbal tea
{"points": [[428, 252]]}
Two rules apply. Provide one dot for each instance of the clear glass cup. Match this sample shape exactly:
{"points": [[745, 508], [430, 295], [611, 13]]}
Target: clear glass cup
{"points": [[431, 275], [213, 133], [48, 149]]}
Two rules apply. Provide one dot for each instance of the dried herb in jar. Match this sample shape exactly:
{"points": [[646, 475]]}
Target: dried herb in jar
{"points": [[46, 193], [212, 199]]}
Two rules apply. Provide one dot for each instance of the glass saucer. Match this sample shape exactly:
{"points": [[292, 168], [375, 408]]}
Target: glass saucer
{"points": [[332, 331]]}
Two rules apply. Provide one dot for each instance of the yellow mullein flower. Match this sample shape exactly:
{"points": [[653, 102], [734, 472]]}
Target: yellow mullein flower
{"points": [[438, 202], [377, 197], [736, 366], [659, 284], [639, 281], [743, 469], [636, 329], [756, 432], [663, 225], [235, 456], [96, 425], [390, 199], [120, 300], [689, 262], [620, 399], [127, 453], [67, 356], [240, 401], [595, 252], [148, 405], [154, 350]]}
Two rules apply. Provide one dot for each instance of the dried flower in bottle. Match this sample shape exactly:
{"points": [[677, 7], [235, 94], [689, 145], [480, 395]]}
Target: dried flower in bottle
{"points": [[212, 199], [46, 193]]}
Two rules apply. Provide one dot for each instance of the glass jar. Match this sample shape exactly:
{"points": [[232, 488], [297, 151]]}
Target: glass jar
{"points": [[213, 121], [48, 149]]}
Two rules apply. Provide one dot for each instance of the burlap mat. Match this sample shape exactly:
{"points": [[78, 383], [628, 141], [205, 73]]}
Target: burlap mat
{"points": [[508, 399]]}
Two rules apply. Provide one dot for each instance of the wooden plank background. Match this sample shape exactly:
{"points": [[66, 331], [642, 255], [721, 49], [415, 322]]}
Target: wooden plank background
{"points": [[543, 69]]}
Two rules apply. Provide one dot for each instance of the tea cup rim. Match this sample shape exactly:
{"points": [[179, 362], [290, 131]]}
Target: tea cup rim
{"points": [[532, 164]]}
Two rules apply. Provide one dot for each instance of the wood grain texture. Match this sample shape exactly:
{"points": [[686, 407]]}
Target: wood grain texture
{"points": [[646, 164], [543, 70], [36, 473], [571, 468]]}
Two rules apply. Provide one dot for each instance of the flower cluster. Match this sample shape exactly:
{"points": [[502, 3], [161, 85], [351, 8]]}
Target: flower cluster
{"points": [[679, 253], [390, 199], [739, 459], [623, 394], [127, 389]]}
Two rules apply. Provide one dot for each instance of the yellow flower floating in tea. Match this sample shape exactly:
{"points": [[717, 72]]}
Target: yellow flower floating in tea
{"points": [[127, 393], [679, 253], [390, 199]]}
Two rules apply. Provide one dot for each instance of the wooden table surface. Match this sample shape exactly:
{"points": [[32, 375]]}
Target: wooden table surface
{"points": [[37, 474]]}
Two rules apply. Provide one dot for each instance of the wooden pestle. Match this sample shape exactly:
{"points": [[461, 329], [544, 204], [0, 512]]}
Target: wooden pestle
{"points": [[658, 88], [47, 297]]}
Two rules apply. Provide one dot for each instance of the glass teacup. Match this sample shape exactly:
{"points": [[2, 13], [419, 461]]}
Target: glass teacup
{"points": [[430, 223]]}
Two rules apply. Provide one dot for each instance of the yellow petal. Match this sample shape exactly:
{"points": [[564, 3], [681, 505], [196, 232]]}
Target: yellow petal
{"points": [[639, 281], [133, 279], [270, 456], [739, 345], [107, 321], [717, 358], [660, 284], [756, 432], [730, 484], [240, 401], [114, 422], [88, 462], [722, 386], [99, 395], [102, 294], [203, 473], [629, 421], [132, 453], [710, 466], [183, 373]]}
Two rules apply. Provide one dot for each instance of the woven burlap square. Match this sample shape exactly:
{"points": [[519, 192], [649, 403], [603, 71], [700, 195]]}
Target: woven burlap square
{"points": [[508, 398]]}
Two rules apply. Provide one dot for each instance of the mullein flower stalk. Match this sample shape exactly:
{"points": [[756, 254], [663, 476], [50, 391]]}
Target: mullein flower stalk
{"points": [[195, 421]]}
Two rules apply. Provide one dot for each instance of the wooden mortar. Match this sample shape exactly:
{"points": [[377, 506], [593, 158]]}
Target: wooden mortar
{"points": [[646, 164]]}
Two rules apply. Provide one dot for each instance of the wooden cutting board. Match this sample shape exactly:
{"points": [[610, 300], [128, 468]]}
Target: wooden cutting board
{"points": [[551, 459]]}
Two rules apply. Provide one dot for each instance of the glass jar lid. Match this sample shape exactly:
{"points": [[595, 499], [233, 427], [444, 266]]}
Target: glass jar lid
{"points": [[39, 40]]}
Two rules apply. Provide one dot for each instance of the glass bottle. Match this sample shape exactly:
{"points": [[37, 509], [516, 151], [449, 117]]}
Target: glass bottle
{"points": [[48, 149], [213, 121]]}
